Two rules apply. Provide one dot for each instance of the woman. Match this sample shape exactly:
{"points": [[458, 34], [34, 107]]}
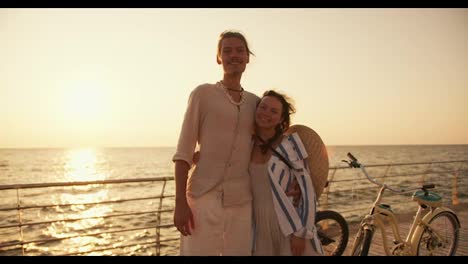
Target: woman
{"points": [[277, 160]]}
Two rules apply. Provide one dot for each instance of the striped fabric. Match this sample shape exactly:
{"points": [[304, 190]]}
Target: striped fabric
{"points": [[300, 220]]}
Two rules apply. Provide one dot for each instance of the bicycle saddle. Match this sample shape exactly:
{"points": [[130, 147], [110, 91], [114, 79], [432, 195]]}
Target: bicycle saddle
{"points": [[431, 199]]}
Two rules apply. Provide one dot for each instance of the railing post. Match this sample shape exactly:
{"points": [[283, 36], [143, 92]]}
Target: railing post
{"points": [[386, 171], [158, 220], [327, 190], [20, 221], [455, 200], [423, 176]]}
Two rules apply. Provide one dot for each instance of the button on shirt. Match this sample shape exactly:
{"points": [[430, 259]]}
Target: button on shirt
{"points": [[224, 132]]}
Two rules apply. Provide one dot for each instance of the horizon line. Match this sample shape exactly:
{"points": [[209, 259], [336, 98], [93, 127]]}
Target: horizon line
{"points": [[123, 147]]}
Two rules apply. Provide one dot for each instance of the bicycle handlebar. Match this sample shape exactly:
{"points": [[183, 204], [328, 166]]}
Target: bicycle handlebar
{"points": [[354, 163], [351, 157]]}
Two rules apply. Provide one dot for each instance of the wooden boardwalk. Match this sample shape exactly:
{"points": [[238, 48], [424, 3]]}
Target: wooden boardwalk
{"points": [[405, 221]]}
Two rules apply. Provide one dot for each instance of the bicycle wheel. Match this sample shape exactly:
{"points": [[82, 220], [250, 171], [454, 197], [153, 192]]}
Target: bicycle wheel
{"points": [[333, 232], [362, 242], [440, 238]]}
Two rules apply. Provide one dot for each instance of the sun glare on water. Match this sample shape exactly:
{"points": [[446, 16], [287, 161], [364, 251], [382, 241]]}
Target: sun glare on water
{"points": [[82, 165]]}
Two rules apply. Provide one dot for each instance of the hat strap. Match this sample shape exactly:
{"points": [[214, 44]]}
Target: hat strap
{"points": [[282, 158]]}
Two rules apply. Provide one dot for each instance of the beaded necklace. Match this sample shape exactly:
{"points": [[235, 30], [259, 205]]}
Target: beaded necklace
{"points": [[225, 90]]}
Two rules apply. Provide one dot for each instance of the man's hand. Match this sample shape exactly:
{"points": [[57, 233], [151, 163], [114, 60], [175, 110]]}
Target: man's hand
{"points": [[183, 218], [295, 191]]}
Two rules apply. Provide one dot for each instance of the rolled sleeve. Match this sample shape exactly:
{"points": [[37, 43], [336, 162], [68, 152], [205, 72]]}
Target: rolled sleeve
{"points": [[189, 133]]}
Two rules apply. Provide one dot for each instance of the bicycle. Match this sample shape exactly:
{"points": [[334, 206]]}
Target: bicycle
{"points": [[434, 232], [332, 230]]}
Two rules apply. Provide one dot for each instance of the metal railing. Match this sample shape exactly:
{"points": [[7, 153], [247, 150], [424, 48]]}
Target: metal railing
{"points": [[345, 193]]}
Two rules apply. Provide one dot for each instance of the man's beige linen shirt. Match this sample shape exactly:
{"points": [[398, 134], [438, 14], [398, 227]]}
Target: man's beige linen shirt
{"points": [[224, 132]]}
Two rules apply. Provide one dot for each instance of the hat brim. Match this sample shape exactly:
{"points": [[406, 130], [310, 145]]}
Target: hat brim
{"points": [[317, 156]]}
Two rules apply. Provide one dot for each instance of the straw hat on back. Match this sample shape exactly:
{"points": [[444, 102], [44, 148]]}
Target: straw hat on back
{"points": [[317, 156]]}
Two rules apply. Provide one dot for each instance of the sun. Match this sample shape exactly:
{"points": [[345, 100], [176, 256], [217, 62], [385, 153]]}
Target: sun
{"points": [[84, 101]]}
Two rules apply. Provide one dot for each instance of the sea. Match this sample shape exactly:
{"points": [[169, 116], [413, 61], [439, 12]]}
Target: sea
{"points": [[55, 222]]}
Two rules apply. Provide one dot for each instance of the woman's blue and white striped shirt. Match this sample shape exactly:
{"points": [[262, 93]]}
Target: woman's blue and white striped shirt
{"points": [[299, 220]]}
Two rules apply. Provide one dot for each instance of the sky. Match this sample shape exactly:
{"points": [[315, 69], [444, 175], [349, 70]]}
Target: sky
{"points": [[122, 77]]}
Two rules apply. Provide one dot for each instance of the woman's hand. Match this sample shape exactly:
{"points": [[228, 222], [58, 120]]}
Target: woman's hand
{"points": [[297, 245], [295, 191]]}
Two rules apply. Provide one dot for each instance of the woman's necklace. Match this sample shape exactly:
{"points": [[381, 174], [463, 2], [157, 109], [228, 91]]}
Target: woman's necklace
{"points": [[241, 91], [266, 145], [261, 144]]}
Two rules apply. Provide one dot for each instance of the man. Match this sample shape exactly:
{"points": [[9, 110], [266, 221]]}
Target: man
{"points": [[213, 210]]}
